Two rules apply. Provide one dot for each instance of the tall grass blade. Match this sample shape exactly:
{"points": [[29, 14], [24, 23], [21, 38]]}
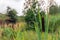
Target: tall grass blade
{"points": [[37, 31], [46, 26]]}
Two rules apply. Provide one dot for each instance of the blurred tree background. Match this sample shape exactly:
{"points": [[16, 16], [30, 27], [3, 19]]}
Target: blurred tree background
{"points": [[30, 12], [11, 14]]}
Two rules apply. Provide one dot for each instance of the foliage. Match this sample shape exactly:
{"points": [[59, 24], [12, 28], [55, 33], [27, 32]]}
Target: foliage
{"points": [[30, 14], [12, 14], [54, 22], [59, 9], [20, 18], [53, 9], [30, 18]]}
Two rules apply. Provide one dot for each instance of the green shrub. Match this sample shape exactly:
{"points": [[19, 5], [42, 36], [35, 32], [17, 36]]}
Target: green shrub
{"points": [[54, 23]]}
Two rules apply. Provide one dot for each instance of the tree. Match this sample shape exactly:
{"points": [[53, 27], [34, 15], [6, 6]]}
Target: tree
{"points": [[30, 11], [11, 14], [53, 9]]}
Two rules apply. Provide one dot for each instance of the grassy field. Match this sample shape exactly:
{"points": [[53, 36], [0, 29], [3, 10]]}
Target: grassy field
{"points": [[19, 32], [10, 34]]}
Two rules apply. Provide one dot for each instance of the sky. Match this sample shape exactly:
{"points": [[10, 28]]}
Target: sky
{"points": [[58, 2], [15, 4]]}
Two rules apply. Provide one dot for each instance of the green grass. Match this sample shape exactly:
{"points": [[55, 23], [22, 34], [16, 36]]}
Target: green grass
{"points": [[25, 35]]}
